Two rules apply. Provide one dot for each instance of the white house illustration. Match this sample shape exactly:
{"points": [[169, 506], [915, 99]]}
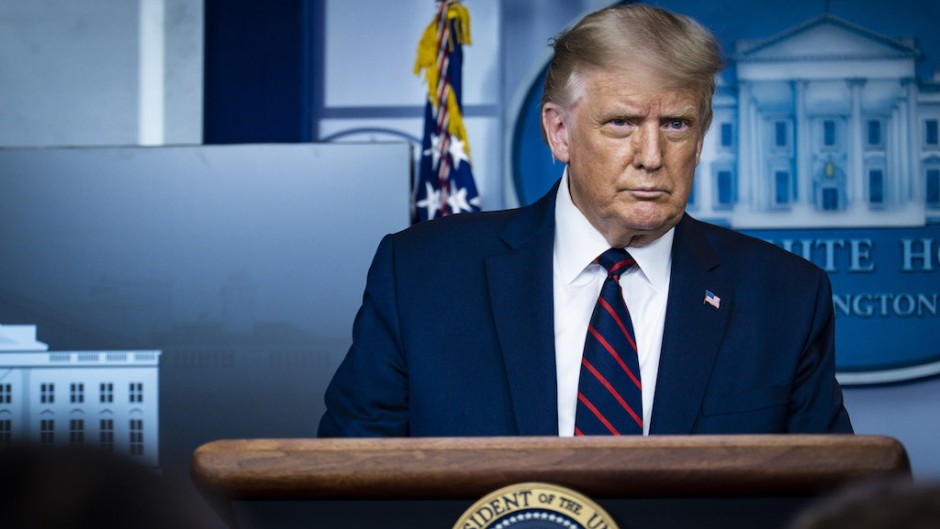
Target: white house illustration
{"points": [[826, 125], [106, 399]]}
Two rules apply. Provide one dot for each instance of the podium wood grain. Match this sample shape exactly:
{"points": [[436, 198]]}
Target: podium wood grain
{"points": [[611, 467]]}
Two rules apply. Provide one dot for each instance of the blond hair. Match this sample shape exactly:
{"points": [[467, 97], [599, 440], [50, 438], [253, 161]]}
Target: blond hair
{"points": [[675, 46]]}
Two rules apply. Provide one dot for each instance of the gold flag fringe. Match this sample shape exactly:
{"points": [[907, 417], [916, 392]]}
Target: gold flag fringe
{"points": [[427, 62]]}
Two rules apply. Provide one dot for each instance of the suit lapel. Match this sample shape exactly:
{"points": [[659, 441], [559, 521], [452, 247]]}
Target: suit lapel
{"points": [[520, 286], [692, 332]]}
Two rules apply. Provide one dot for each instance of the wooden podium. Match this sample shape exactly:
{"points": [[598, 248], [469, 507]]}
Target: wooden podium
{"points": [[662, 481]]}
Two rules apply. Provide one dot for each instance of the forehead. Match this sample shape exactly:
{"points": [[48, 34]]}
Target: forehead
{"points": [[632, 85]]}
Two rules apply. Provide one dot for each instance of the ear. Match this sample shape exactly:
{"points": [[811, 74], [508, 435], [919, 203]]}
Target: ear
{"points": [[698, 149], [555, 128]]}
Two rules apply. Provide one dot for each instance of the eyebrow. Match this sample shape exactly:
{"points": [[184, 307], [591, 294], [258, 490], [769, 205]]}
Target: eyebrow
{"points": [[688, 112]]}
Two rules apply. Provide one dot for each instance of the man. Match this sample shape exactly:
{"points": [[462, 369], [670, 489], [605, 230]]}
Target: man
{"points": [[482, 324]]}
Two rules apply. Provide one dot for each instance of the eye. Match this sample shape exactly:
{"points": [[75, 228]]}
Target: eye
{"points": [[620, 124], [677, 124]]}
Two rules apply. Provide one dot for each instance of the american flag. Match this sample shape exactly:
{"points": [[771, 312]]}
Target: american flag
{"points": [[445, 183], [712, 299]]}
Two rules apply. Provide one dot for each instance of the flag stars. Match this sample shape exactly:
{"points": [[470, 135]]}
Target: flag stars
{"points": [[435, 150], [431, 201], [458, 152], [458, 201]]}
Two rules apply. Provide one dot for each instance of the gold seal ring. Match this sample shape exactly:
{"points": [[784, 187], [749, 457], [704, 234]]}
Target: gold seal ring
{"points": [[535, 505]]}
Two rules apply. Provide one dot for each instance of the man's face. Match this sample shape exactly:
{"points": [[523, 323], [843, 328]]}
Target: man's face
{"points": [[631, 149]]}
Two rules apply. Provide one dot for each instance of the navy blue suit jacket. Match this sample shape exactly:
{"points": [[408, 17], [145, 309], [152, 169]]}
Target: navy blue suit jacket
{"points": [[455, 335]]}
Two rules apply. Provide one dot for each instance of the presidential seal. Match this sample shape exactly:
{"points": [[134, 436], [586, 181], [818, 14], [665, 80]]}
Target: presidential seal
{"points": [[535, 506]]}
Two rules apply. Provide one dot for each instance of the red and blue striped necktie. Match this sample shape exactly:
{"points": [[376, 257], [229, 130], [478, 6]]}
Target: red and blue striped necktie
{"points": [[610, 399]]}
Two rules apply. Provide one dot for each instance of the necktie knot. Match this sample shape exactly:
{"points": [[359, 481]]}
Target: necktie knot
{"points": [[615, 261]]}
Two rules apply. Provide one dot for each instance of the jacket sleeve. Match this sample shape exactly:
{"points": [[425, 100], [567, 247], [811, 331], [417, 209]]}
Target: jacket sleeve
{"points": [[816, 404], [368, 395]]}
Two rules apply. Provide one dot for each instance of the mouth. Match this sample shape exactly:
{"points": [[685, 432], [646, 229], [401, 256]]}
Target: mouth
{"points": [[646, 193]]}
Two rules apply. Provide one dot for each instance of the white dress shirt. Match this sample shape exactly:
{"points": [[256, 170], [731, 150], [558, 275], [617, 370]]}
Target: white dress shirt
{"points": [[577, 284]]}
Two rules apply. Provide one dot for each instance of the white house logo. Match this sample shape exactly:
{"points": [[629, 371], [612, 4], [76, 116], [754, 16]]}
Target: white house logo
{"points": [[827, 143], [535, 506], [103, 399]]}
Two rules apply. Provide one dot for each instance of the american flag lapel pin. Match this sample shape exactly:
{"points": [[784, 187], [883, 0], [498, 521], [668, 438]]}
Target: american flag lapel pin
{"points": [[712, 299]]}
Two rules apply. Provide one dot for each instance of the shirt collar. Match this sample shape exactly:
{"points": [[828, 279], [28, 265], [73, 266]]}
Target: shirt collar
{"points": [[578, 243]]}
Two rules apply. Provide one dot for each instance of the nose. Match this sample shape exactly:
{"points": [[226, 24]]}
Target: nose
{"points": [[647, 147]]}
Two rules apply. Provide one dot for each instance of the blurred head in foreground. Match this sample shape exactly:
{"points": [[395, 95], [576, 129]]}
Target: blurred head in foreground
{"points": [[62, 488], [890, 504]]}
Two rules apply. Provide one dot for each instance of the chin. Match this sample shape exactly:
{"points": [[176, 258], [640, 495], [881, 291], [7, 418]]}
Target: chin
{"points": [[650, 224], [646, 222]]}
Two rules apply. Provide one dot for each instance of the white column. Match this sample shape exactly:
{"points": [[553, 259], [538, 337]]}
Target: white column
{"points": [[745, 149], [151, 77], [759, 161], [804, 162], [910, 155], [894, 152], [855, 144]]}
